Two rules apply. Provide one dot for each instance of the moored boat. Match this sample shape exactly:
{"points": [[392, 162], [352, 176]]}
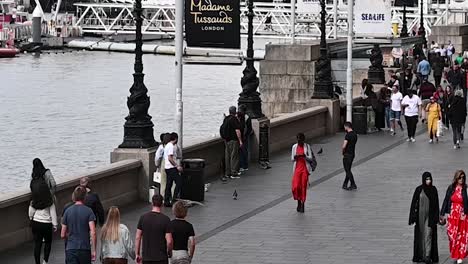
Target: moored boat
{"points": [[8, 52]]}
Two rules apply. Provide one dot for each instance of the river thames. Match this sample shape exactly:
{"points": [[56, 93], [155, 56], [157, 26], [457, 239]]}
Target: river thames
{"points": [[69, 109]]}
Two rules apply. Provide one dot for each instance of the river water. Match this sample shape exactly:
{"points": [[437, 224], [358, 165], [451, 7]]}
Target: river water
{"points": [[69, 109]]}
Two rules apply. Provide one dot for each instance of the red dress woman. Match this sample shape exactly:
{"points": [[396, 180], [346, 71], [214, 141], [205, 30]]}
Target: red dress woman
{"points": [[301, 155], [456, 206]]}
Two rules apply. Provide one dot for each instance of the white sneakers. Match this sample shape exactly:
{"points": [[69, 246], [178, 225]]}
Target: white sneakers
{"points": [[413, 140], [431, 141]]}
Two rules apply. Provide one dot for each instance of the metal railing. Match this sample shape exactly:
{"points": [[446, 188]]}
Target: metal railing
{"points": [[271, 19]]}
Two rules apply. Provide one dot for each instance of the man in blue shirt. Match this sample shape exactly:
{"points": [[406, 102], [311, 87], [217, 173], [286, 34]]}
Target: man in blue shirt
{"points": [[78, 226], [424, 68]]}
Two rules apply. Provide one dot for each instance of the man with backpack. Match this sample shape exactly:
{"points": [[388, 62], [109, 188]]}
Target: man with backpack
{"points": [[231, 133]]}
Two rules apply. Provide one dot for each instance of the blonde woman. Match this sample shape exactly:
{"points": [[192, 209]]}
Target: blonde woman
{"points": [[116, 241]]}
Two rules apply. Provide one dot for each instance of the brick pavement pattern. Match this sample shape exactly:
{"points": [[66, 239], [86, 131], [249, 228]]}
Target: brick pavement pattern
{"points": [[262, 226]]}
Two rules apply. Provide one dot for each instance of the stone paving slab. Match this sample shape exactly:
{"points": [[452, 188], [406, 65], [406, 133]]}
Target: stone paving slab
{"points": [[261, 227]]}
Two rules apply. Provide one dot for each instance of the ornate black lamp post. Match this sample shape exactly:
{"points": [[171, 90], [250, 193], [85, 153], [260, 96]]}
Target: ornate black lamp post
{"points": [[249, 82], [422, 30], [323, 88], [404, 27], [138, 128]]}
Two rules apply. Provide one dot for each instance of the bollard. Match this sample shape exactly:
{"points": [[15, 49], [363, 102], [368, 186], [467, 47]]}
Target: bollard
{"points": [[37, 27]]}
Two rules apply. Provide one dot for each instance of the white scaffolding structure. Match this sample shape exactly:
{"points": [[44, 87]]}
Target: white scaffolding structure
{"points": [[271, 19]]}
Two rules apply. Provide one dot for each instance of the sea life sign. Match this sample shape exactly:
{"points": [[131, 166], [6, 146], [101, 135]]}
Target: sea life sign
{"points": [[373, 18], [212, 23], [308, 6]]}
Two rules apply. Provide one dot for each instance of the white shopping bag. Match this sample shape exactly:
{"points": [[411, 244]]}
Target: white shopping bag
{"points": [[440, 128], [157, 176]]}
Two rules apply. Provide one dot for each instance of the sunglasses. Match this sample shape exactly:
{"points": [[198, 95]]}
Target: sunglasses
{"points": [[461, 177]]}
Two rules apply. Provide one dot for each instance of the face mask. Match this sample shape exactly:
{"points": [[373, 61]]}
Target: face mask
{"points": [[428, 181]]}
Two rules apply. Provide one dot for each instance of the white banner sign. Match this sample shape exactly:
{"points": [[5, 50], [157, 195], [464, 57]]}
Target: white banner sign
{"points": [[373, 18], [308, 6], [459, 4]]}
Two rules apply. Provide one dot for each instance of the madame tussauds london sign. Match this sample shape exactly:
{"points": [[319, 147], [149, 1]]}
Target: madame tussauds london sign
{"points": [[212, 23]]}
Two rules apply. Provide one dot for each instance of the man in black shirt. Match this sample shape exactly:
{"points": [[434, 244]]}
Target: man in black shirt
{"points": [[348, 150], [92, 201], [233, 142], [154, 229]]}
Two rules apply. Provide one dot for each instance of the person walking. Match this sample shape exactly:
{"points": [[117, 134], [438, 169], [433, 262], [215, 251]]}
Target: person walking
{"points": [[449, 95], [116, 240], [453, 212], [412, 110], [438, 66], [380, 110], [79, 230], [348, 150], [424, 68], [457, 115], [231, 133], [183, 235], [426, 91], [395, 113], [154, 229], [450, 52], [455, 77], [173, 171], [41, 211], [434, 114], [302, 156], [160, 163], [385, 101], [93, 201], [424, 214], [246, 131]]}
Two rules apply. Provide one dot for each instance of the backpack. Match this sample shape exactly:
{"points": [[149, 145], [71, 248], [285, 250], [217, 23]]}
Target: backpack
{"points": [[40, 192], [224, 128]]}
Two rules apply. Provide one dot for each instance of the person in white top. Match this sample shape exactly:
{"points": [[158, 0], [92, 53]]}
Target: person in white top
{"points": [[173, 171], [395, 110], [412, 108], [159, 161], [450, 52]]}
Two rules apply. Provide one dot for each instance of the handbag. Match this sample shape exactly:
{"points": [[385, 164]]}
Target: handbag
{"points": [[440, 131], [313, 162]]}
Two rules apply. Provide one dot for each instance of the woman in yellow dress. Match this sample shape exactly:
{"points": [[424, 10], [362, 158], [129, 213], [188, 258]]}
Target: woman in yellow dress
{"points": [[434, 114]]}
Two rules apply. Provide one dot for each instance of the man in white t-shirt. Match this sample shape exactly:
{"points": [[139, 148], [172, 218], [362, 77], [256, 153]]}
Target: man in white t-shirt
{"points": [[412, 107], [395, 110], [173, 171]]}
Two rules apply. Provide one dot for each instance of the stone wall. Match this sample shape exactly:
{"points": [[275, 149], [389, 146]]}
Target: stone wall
{"points": [[115, 184], [456, 33], [287, 77]]}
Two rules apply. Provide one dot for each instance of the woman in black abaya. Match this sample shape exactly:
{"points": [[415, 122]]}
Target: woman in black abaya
{"points": [[424, 213]]}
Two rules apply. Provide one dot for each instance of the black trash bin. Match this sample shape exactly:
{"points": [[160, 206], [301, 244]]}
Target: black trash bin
{"points": [[360, 119], [194, 183]]}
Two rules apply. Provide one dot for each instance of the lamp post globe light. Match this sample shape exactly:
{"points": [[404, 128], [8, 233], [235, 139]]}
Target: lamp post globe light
{"points": [[249, 97], [138, 127], [323, 88]]}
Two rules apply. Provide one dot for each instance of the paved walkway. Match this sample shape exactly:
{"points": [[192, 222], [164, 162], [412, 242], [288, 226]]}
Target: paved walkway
{"points": [[262, 226]]}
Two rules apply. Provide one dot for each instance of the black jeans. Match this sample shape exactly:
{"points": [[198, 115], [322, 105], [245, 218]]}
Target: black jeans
{"points": [[456, 128], [411, 123], [42, 232], [172, 175], [77, 256], [347, 164], [437, 80]]}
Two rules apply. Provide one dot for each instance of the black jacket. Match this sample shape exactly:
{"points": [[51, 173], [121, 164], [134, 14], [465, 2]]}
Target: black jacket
{"points": [[457, 110], [447, 204], [92, 201]]}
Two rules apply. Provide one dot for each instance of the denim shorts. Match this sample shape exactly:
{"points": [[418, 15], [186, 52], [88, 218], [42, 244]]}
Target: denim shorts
{"points": [[395, 115]]}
